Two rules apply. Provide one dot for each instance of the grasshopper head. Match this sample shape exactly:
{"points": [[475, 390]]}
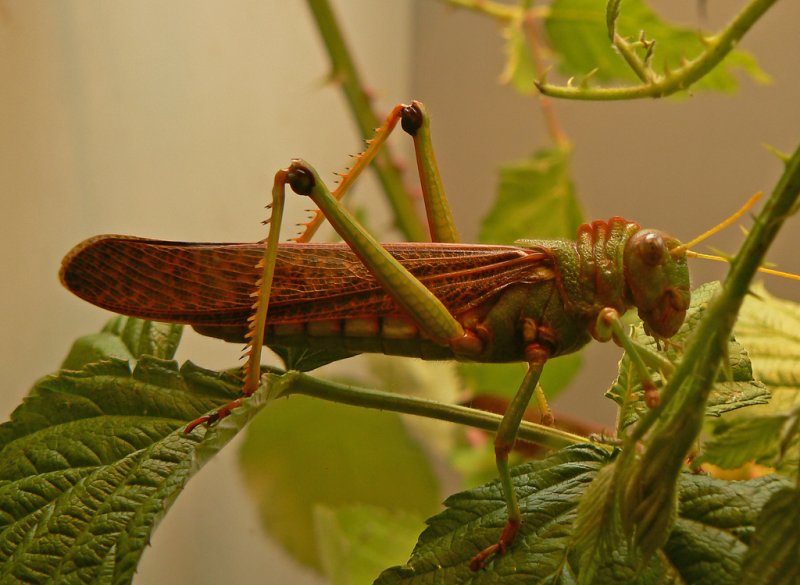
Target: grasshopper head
{"points": [[658, 281]]}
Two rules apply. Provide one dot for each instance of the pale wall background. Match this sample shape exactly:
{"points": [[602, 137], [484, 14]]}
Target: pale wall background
{"points": [[168, 119]]}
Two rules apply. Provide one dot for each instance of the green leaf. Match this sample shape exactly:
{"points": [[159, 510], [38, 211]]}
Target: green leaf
{"points": [[578, 33], [308, 453], [770, 329], [92, 460], [767, 433], [504, 379], [744, 439], [728, 394], [548, 490], [535, 199], [597, 533], [356, 542], [520, 70], [125, 338], [715, 522], [422, 379], [773, 555]]}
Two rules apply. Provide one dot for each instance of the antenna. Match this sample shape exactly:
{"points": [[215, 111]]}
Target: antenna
{"points": [[719, 227], [685, 248]]}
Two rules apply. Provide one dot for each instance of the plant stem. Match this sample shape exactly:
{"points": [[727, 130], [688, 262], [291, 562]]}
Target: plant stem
{"points": [[299, 383], [717, 48], [344, 72], [709, 340], [649, 485]]}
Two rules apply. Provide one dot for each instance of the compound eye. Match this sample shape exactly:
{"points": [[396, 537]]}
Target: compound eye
{"points": [[652, 249]]}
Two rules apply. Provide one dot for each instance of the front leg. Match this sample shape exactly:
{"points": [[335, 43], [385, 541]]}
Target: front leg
{"points": [[609, 326]]}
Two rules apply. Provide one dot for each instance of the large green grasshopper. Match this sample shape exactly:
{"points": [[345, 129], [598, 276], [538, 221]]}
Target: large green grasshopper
{"points": [[441, 300]]}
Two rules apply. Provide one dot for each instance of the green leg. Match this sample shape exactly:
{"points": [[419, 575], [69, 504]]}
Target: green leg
{"points": [[420, 304], [414, 120], [257, 322], [503, 443], [609, 325]]}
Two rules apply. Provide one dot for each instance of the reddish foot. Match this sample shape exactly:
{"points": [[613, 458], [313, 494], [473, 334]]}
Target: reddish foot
{"points": [[215, 416], [499, 548]]}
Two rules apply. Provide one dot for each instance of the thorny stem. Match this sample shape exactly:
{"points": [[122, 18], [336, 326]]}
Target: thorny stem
{"points": [[344, 72], [717, 48], [690, 383], [648, 486], [299, 383]]}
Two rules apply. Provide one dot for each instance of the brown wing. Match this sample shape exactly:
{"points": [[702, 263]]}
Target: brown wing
{"points": [[211, 283]]}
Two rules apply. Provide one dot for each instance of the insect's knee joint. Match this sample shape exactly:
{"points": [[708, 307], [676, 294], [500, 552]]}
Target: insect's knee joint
{"points": [[411, 118], [604, 326], [300, 178]]}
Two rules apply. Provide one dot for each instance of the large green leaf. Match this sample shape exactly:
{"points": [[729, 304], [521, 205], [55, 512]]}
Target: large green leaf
{"points": [[549, 491], [94, 457], [578, 33], [707, 544], [774, 556]]}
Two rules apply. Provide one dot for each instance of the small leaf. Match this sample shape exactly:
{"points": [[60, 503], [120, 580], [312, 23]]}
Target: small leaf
{"points": [[125, 338], [744, 439], [770, 329], [520, 71], [535, 199], [305, 453], [578, 32], [504, 379], [356, 542], [147, 337], [726, 395], [774, 552]]}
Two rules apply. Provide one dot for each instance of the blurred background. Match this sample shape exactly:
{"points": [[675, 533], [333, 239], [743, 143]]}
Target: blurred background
{"points": [[167, 120]]}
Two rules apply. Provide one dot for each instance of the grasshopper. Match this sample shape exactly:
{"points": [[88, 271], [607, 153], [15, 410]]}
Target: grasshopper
{"points": [[441, 300]]}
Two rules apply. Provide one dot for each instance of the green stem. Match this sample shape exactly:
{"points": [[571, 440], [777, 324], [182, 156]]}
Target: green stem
{"points": [[345, 73], [717, 49], [708, 343], [649, 486], [299, 383]]}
